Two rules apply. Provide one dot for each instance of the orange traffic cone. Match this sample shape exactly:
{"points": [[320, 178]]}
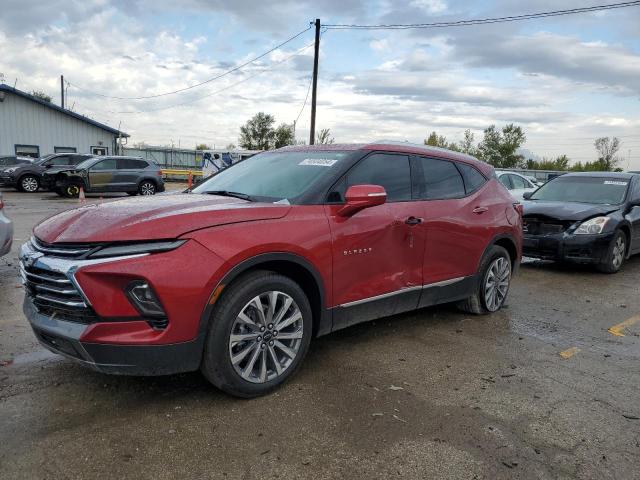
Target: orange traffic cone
{"points": [[81, 197]]}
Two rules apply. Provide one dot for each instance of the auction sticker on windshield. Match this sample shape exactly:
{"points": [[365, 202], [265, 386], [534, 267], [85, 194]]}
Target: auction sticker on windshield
{"points": [[318, 162], [613, 182]]}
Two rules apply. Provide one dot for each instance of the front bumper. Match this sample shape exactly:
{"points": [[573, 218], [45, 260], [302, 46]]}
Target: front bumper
{"points": [[588, 249], [7, 180], [64, 338]]}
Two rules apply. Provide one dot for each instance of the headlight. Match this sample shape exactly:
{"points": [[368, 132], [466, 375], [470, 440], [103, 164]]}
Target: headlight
{"points": [[137, 248], [592, 227]]}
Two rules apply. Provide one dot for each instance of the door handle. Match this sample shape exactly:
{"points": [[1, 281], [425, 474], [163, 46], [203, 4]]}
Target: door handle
{"points": [[413, 221], [480, 210]]}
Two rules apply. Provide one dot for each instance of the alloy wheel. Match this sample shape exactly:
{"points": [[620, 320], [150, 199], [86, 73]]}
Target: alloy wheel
{"points": [[147, 189], [619, 249], [29, 184], [72, 190], [496, 283], [266, 337]]}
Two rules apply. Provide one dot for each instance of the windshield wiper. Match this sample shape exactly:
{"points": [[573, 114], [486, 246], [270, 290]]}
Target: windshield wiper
{"points": [[227, 193]]}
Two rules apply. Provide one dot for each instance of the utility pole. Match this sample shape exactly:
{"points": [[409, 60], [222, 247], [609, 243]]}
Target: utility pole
{"points": [[312, 133], [62, 91]]}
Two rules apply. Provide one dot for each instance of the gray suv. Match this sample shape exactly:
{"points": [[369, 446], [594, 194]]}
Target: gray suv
{"points": [[27, 177], [133, 175]]}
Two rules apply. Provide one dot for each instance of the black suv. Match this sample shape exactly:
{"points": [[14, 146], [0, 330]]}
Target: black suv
{"points": [[28, 177], [133, 175]]}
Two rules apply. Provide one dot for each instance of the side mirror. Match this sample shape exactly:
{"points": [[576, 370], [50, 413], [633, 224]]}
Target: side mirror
{"points": [[360, 197], [527, 195]]}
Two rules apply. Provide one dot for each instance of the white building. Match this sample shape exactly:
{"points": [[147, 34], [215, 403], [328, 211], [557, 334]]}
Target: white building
{"points": [[33, 127]]}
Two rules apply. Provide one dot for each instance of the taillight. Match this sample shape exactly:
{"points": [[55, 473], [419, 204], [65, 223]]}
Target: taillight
{"points": [[519, 208]]}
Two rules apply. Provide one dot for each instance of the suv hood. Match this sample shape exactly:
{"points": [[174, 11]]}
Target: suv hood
{"points": [[565, 210], [151, 218]]}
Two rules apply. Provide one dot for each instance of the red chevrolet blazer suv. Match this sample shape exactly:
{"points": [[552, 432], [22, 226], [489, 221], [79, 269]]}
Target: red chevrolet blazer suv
{"points": [[238, 275]]}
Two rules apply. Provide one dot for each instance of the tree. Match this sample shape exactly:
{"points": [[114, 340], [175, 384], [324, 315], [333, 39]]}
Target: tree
{"points": [[203, 146], [440, 141], [283, 136], [41, 95], [560, 163], [324, 137], [499, 147], [466, 144], [258, 132], [607, 149], [230, 146]]}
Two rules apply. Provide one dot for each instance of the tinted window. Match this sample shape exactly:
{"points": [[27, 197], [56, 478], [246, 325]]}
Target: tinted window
{"points": [[64, 160], [131, 164], [473, 179], [441, 179], [109, 164], [505, 180], [4, 161], [390, 171], [518, 182]]}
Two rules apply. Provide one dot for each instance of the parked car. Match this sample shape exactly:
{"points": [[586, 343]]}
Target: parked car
{"points": [[12, 160], [236, 277], [28, 177], [6, 231], [534, 181], [591, 218], [516, 184], [133, 175]]}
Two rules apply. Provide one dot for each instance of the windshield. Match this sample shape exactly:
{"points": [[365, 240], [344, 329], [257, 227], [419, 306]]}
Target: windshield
{"points": [[274, 176], [85, 164], [597, 190], [41, 160]]}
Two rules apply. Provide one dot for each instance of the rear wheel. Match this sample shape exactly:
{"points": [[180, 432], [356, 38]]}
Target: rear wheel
{"points": [[258, 336], [147, 187], [71, 190], [493, 285], [29, 183], [615, 255]]}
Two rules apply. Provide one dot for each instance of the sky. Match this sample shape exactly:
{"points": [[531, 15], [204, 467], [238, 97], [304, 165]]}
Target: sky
{"points": [[565, 80]]}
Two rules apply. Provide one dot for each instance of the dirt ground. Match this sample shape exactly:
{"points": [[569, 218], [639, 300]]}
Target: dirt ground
{"points": [[433, 394]]}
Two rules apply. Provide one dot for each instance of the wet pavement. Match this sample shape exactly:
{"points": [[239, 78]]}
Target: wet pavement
{"points": [[431, 394]]}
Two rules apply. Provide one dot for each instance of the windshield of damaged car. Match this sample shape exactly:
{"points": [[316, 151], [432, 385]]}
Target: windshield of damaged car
{"points": [[275, 176], [596, 190]]}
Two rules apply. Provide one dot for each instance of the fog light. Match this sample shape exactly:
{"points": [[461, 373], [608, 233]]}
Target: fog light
{"points": [[142, 296]]}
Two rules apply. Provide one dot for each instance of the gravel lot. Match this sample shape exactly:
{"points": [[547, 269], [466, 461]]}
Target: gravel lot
{"points": [[432, 394]]}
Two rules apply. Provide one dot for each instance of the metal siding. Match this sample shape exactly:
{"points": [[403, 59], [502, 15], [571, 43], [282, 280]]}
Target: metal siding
{"points": [[24, 122]]}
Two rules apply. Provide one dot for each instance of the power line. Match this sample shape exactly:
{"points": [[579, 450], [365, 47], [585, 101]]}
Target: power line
{"points": [[216, 92], [484, 21], [209, 80]]}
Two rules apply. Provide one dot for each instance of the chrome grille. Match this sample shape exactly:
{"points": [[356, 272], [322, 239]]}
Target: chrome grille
{"points": [[64, 250], [54, 294]]}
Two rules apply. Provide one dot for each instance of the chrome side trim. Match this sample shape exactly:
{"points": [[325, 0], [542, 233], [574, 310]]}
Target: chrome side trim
{"points": [[380, 297], [443, 283]]}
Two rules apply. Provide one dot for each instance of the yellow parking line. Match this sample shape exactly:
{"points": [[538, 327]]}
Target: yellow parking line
{"points": [[570, 352], [618, 329]]}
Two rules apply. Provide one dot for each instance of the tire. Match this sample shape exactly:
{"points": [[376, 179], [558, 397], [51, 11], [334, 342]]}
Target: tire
{"points": [[247, 368], [147, 187], [29, 183], [616, 254], [71, 190], [496, 262]]}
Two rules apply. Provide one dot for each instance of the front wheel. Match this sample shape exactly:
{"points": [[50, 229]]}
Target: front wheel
{"points": [[616, 254], [493, 283], [29, 184], [258, 335]]}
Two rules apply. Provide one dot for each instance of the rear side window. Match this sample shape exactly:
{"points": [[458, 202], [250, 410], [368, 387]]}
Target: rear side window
{"points": [[504, 180], [390, 171], [441, 180], [518, 182], [109, 164], [131, 164], [473, 179]]}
